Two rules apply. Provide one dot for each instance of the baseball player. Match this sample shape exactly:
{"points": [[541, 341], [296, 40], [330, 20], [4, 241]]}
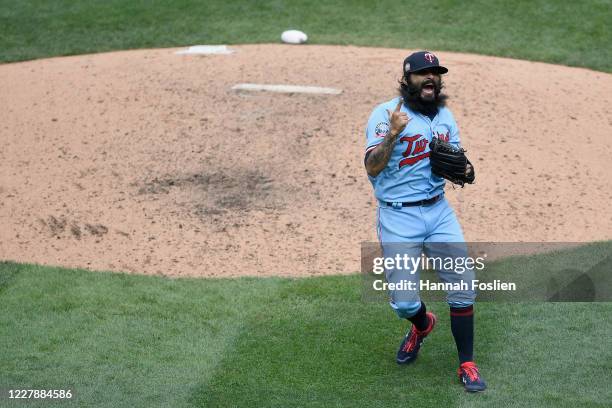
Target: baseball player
{"points": [[413, 217]]}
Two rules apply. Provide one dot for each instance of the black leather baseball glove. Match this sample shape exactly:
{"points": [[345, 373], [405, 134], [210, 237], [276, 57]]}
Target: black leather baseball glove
{"points": [[450, 162]]}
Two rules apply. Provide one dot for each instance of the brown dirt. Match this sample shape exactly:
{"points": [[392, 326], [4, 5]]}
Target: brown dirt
{"points": [[146, 161]]}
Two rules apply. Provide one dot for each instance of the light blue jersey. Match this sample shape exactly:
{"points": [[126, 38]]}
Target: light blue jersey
{"points": [[408, 177]]}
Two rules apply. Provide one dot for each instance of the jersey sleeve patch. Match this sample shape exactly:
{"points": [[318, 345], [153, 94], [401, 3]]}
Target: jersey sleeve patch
{"points": [[381, 129]]}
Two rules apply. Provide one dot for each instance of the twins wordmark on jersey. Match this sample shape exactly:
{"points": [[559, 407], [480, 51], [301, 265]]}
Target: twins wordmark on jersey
{"points": [[415, 150]]}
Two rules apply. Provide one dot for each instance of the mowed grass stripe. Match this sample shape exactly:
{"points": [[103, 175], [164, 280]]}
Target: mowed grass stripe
{"points": [[564, 32], [119, 340], [334, 351]]}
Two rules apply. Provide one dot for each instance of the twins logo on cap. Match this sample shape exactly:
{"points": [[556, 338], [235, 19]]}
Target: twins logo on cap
{"points": [[421, 60]]}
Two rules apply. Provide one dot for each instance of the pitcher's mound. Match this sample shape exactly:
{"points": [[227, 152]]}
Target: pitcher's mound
{"points": [[147, 161]]}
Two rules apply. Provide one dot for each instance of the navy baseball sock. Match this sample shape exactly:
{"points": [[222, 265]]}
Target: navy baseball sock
{"points": [[462, 326], [420, 318]]}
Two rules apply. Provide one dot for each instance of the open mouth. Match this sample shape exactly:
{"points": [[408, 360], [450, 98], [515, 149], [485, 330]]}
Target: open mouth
{"points": [[428, 89]]}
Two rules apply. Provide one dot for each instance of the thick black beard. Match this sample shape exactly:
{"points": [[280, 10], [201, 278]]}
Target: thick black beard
{"points": [[411, 95]]}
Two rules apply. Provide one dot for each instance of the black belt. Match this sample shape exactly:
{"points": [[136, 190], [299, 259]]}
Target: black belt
{"points": [[415, 203]]}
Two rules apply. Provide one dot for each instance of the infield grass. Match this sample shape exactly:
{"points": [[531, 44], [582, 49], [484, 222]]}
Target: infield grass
{"points": [[562, 31], [134, 341]]}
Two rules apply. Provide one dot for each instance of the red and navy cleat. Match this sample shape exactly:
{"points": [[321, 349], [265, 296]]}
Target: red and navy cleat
{"points": [[409, 348], [470, 377]]}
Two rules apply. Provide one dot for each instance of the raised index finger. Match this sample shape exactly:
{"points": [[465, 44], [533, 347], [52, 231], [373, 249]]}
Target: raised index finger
{"points": [[399, 105]]}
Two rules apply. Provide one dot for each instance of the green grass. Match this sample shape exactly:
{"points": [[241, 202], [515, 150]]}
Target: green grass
{"points": [[565, 31], [123, 341]]}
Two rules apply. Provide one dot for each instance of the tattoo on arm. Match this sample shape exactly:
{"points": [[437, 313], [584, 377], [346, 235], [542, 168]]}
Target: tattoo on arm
{"points": [[379, 157]]}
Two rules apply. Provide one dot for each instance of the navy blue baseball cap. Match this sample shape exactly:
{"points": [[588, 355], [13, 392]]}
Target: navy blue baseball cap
{"points": [[421, 60]]}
